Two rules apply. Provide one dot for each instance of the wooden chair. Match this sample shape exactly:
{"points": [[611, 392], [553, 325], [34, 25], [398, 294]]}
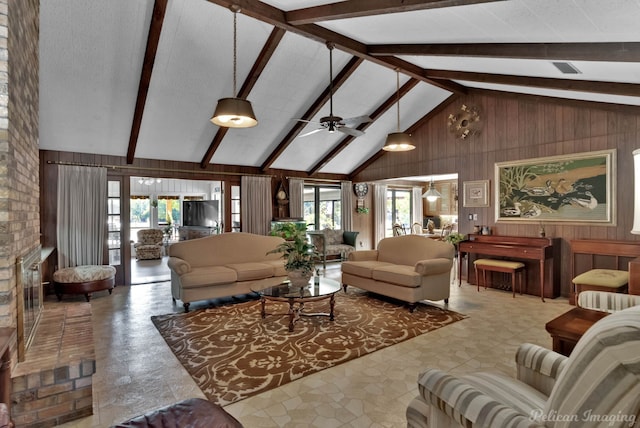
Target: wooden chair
{"points": [[416, 229]]}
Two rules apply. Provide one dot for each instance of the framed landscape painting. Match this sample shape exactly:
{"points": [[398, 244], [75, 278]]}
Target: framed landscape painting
{"points": [[576, 188]]}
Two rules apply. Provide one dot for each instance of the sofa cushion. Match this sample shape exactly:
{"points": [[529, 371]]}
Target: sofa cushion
{"points": [[409, 249], [250, 271], [362, 268], [333, 236], [339, 249], [277, 265], [349, 238], [398, 274], [210, 275]]}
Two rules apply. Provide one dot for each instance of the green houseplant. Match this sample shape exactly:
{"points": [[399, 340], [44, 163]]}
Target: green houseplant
{"points": [[299, 254]]}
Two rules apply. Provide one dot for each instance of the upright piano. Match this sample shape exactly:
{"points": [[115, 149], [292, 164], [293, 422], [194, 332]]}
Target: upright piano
{"points": [[540, 255]]}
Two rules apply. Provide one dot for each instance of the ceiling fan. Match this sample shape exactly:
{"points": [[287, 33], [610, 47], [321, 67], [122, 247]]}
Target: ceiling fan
{"points": [[333, 123]]}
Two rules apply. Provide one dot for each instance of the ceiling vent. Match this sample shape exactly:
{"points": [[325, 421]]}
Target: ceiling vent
{"points": [[566, 68]]}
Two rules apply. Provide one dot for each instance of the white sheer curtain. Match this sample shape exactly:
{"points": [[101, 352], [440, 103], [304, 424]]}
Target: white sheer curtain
{"points": [[81, 215], [417, 205], [379, 212], [296, 198], [347, 206], [256, 204]]}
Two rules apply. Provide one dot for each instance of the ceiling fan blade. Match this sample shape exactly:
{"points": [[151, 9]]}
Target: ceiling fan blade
{"points": [[352, 121], [310, 132], [305, 121], [350, 131]]}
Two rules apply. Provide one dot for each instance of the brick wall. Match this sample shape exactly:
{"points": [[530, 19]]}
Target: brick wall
{"points": [[19, 162]]}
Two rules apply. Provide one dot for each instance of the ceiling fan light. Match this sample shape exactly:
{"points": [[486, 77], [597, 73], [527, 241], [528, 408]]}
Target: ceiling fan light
{"points": [[234, 113], [398, 142]]}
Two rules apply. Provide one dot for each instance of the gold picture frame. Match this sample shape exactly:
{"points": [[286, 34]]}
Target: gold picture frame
{"points": [[575, 188], [476, 193]]}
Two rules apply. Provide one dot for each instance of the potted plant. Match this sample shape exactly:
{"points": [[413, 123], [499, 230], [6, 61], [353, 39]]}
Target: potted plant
{"points": [[362, 210], [455, 238], [298, 253]]}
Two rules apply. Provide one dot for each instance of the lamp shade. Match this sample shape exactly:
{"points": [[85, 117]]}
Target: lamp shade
{"points": [[234, 113], [636, 192], [432, 194], [398, 142]]}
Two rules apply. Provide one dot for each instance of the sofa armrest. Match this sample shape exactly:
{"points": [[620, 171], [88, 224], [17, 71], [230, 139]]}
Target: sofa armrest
{"points": [[363, 255], [539, 367], [606, 301], [178, 265], [467, 405], [433, 266]]}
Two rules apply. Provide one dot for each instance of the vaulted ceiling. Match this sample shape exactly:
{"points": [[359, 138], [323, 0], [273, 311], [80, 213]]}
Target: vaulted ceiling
{"points": [[141, 78]]}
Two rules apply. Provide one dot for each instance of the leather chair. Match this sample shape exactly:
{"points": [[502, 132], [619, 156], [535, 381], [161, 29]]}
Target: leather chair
{"points": [[149, 245], [192, 413], [600, 380]]}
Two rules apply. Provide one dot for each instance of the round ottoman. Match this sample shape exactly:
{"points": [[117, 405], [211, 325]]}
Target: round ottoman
{"points": [[84, 280]]}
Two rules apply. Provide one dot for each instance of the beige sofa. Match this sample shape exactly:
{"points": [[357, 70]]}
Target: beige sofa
{"points": [[410, 268], [223, 265]]}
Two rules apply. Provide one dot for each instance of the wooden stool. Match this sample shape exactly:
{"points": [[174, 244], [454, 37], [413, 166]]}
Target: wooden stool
{"points": [[614, 281], [504, 266]]}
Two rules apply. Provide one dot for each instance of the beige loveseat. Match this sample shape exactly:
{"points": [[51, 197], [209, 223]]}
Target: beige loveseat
{"points": [[223, 265], [410, 268]]}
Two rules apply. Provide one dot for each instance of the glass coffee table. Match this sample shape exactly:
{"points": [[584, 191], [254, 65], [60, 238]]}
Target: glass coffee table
{"points": [[318, 289]]}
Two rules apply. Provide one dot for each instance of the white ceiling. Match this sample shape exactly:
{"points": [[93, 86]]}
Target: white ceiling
{"points": [[92, 53]]}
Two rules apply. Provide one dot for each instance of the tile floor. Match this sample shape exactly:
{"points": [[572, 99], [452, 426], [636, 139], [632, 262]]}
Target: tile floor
{"points": [[137, 372]]}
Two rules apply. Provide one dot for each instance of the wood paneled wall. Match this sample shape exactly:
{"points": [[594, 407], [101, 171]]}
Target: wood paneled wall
{"points": [[522, 127]]}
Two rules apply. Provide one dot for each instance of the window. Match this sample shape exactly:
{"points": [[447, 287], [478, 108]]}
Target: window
{"points": [[235, 209], [114, 223], [322, 207], [399, 208]]}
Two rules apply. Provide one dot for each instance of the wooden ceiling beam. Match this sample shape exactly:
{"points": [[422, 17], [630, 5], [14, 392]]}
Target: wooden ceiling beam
{"points": [[276, 17], [611, 88], [379, 111], [155, 28], [360, 8], [615, 51], [256, 70], [315, 107]]}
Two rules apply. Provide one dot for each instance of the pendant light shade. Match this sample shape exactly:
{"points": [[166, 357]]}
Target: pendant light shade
{"points": [[398, 141], [234, 112], [432, 194], [636, 192]]}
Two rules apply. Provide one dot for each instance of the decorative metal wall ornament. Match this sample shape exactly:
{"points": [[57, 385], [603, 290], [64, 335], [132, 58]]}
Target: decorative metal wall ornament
{"points": [[465, 123]]}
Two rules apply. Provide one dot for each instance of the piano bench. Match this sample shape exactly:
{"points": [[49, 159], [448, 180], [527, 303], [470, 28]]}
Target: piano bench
{"points": [[504, 266], [611, 280]]}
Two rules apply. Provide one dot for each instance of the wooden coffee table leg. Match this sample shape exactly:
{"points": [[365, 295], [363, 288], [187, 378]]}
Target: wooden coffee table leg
{"points": [[262, 311], [332, 304], [291, 314]]}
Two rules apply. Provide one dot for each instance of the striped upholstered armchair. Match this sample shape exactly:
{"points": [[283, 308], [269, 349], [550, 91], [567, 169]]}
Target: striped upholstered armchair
{"points": [[598, 385]]}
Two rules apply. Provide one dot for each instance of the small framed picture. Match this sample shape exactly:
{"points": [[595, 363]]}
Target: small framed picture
{"points": [[476, 193]]}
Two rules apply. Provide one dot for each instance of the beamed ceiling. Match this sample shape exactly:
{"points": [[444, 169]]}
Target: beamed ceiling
{"points": [[141, 78]]}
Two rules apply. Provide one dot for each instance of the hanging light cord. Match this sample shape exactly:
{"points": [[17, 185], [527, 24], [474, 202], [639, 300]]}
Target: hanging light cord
{"points": [[398, 95], [235, 48]]}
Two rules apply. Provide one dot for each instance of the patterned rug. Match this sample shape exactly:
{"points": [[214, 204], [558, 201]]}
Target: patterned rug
{"points": [[232, 353]]}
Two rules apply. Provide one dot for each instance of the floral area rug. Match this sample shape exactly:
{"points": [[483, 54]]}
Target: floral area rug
{"points": [[232, 353]]}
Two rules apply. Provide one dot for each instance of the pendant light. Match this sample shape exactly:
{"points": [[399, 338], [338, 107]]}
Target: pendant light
{"points": [[398, 141], [432, 194], [234, 112]]}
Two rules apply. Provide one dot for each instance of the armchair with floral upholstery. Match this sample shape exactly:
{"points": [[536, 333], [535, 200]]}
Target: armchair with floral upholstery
{"points": [[333, 242], [597, 385], [149, 245]]}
